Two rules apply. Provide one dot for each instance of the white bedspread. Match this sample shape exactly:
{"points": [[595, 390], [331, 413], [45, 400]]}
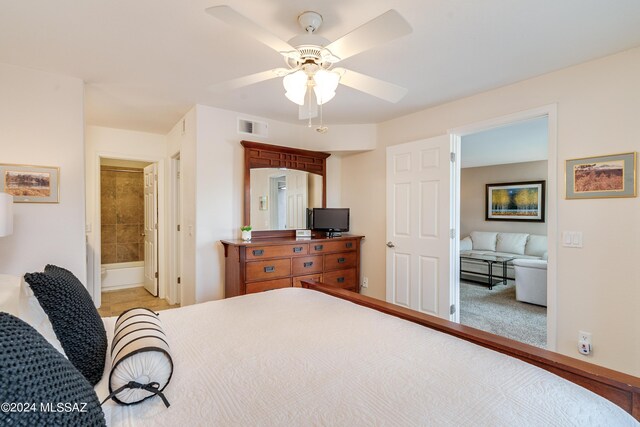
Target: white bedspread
{"points": [[294, 357]]}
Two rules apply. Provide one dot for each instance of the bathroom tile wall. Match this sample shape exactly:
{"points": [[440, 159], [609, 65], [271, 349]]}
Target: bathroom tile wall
{"points": [[122, 210]]}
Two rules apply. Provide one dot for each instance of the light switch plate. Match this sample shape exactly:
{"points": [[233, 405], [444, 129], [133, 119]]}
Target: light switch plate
{"points": [[572, 239]]}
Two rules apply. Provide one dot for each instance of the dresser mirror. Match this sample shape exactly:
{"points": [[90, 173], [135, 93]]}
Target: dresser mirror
{"points": [[280, 184]]}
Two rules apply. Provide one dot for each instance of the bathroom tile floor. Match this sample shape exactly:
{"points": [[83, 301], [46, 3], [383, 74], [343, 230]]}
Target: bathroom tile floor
{"points": [[115, 302]]}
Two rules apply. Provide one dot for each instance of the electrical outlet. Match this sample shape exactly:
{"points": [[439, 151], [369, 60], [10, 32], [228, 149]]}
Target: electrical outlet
{"points": [[584, 343], [365, 282]]}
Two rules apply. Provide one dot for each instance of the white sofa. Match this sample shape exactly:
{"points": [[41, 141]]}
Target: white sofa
{"points": [[518, 245], [531, 280]]}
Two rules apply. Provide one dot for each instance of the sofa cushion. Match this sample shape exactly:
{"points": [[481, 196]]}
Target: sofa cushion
{"points": [[484, 240], [466, 244], [511, 254], [536, 245], [513, 243], [531, 263]]}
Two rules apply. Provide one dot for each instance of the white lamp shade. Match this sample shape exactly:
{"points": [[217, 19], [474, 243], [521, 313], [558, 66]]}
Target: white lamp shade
{"points": [[326, 85], [296, 86], [6, 214]]}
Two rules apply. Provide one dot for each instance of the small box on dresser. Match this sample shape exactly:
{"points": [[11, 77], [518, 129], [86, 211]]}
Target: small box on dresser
{"points": [[265, 264]]}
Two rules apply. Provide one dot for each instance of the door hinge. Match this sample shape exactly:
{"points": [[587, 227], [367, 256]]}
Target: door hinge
{"points": [[178, 227], [156, 275], [155, 177], [178, 280], [452, 309], [452, 233], [155, 226], [453, 157]]}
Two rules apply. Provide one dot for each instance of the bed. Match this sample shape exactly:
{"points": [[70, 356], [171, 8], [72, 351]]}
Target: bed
{"points": [[324, 356]]}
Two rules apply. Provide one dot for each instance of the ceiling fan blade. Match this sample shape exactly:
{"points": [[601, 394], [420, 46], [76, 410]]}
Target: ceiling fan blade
{"points": [[372, 86], [229, 85], [386, 27], [242, 23]]}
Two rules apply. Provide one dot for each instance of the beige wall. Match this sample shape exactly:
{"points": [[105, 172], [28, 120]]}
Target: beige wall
{"points": [[472, 196], [42, 123], [598, 286]]}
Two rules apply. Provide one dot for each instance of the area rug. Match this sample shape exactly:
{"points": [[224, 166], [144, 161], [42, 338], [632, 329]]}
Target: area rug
{"points": [[498, 312]]}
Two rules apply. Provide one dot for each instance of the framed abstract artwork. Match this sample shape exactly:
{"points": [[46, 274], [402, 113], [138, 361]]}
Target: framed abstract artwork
{"points": [[515, 201], [31, 184], [613, 175]]}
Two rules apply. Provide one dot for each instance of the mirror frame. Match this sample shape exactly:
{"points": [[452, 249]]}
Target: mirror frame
{"points": [[258, 155]]}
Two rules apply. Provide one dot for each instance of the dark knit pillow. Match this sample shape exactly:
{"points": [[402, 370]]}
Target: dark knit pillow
{"points": [[39, 386], [74, 318]]}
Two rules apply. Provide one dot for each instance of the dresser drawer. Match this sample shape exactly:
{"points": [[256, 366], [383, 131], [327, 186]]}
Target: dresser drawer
{"points": [[341, 278], [268, 285], [307, 265], [337, 246], [340, 260], [268, 269], [298, 279], [260, 252]]}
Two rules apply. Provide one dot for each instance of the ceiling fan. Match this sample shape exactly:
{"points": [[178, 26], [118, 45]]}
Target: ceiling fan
{"points": [[310, 74]]}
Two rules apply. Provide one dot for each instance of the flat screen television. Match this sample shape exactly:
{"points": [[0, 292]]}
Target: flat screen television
{"points": [[331, 219]]}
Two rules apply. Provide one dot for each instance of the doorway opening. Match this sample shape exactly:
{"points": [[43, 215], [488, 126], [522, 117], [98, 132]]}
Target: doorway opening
{"points": [[531, 255], [128, 240], [503, 252]]}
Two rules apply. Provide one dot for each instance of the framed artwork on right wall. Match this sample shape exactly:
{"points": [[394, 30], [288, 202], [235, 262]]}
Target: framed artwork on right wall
{"points": [[613, 175]]}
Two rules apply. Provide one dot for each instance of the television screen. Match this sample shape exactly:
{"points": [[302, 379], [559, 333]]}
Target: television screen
{"points": [[331, 219]]}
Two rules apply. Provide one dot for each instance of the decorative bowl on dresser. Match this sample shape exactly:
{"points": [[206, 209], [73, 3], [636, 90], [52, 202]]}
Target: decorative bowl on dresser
{"points": [[264, 264]]}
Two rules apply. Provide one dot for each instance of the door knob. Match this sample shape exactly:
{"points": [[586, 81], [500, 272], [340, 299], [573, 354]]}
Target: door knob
{"points": [[390, 245]]}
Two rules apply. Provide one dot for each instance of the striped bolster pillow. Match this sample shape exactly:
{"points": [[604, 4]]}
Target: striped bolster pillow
{"points": [[141, 364]]}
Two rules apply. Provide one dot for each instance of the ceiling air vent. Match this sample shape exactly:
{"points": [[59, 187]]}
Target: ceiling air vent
{"points": [[252, 127]]}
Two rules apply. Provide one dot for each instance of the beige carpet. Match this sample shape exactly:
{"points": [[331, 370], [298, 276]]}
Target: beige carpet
{"points": [[498, 312]]}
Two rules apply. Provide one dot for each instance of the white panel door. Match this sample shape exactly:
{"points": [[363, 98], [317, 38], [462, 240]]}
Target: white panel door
{"points": [[151, 229], [418, 224], [297, 195]]}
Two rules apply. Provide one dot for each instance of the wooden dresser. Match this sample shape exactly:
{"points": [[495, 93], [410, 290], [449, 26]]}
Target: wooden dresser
{"points": [[263, 264]]}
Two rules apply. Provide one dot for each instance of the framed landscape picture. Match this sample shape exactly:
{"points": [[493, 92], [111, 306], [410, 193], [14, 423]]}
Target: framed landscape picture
{"points": [[30, 184], [515, 201], [603, 176]]}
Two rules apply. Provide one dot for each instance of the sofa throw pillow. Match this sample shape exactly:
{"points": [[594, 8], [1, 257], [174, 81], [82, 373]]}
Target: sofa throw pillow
{"points": [[75, 319], [141, 364], [484, 240], [35, 374], [536, 245], [512, 243]]}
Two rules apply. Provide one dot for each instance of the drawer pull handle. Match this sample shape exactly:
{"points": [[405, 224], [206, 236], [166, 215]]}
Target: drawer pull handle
{"points": [[297, 249], [258, 252], [318, 247], [349, 244], [308, 264], [340, 279], [269, 269], [341, 260]]}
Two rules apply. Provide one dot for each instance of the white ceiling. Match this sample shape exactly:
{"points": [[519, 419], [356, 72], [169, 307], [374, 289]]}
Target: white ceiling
{"points": [[524, 141], [146, 62]]}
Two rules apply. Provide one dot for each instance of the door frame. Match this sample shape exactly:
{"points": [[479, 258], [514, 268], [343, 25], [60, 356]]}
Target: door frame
{"points": [[175, 253], [551, 112], [96, 240]]}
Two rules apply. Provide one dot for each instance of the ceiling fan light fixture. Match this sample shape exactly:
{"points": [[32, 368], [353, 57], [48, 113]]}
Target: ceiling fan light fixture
{"points": [[295, 85], [326, 83]]}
